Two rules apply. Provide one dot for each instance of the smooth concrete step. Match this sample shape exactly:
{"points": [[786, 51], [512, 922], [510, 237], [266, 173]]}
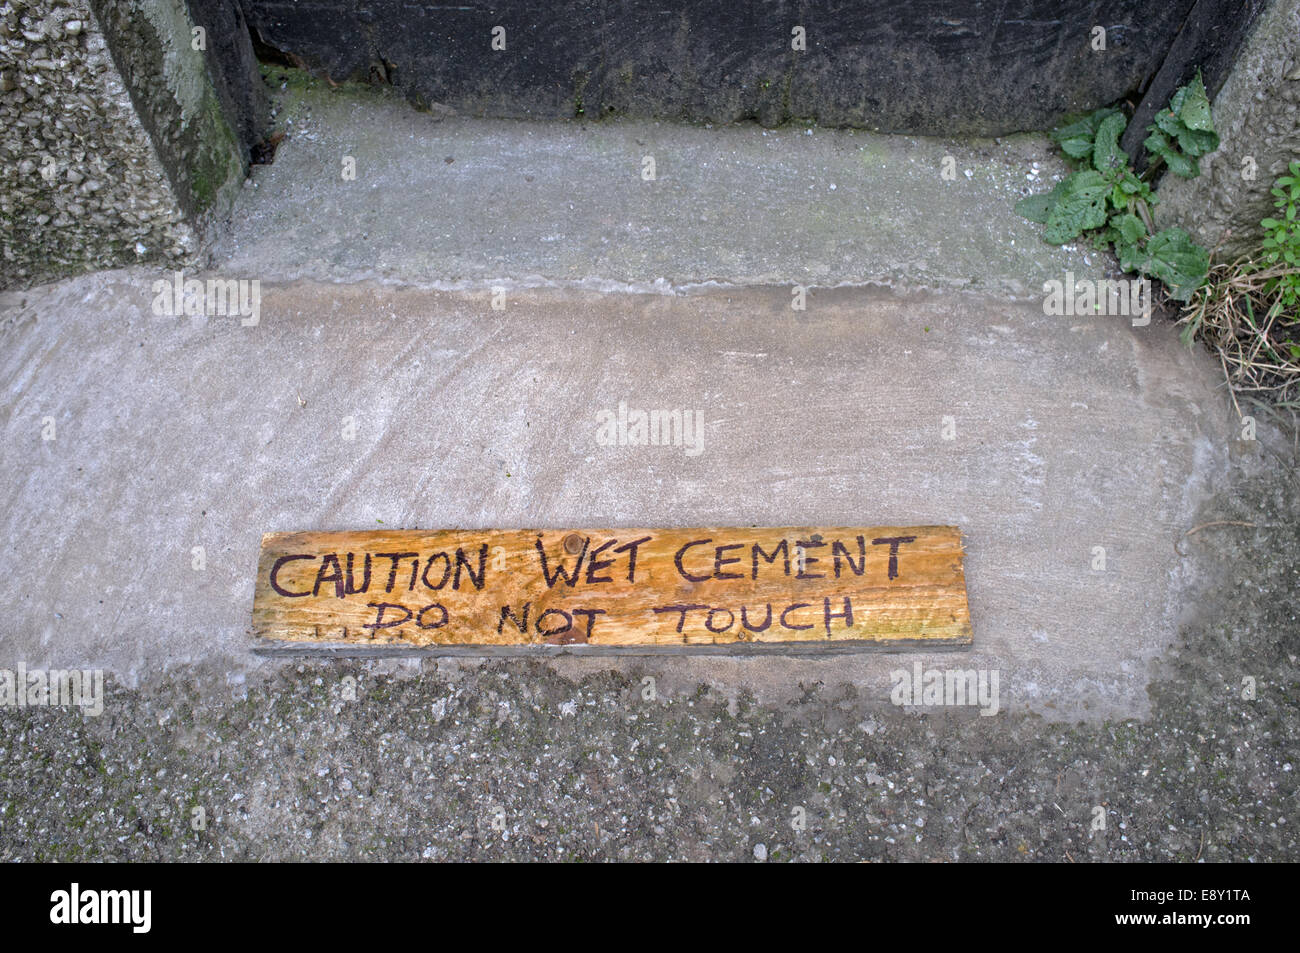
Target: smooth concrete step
{"points": [[172, 433], [462, 201]]}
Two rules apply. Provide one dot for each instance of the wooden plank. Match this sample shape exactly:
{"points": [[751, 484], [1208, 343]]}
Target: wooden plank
{"points": [[496, 592]]}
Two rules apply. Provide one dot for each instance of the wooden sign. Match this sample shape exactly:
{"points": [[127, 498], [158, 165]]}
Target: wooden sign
{"points": [[638, 591]]}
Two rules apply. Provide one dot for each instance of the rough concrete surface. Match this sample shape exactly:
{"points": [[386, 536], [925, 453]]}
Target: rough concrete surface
{"points": [[81, 185], [471, 201]]}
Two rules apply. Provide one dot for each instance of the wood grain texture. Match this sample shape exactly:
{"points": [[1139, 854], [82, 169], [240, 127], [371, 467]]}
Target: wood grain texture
{"points": [[525, 591]]}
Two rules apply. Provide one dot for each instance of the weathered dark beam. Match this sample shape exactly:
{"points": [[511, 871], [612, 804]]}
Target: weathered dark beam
{"points": [[941, 67], [232, 68]]}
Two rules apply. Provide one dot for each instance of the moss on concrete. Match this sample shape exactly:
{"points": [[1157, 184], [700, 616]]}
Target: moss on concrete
{"points": [[177, 103]]}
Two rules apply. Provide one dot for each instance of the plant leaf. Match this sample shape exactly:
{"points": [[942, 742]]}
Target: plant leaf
{"points": [[1175, 259], [1194, 110], [1196, 142], [1107, 157], [1130, 228], [1176, 101], [1130, 256], [1037, 208], [1159, 145], [1103, 239], [1075, 139], [1167, 121], [1188, 123], [1081, 206]]}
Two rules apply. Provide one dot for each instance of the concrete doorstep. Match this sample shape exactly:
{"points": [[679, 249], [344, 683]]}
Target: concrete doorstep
{"points": [[1132, 565], [363, 187], [1072, 452]]}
